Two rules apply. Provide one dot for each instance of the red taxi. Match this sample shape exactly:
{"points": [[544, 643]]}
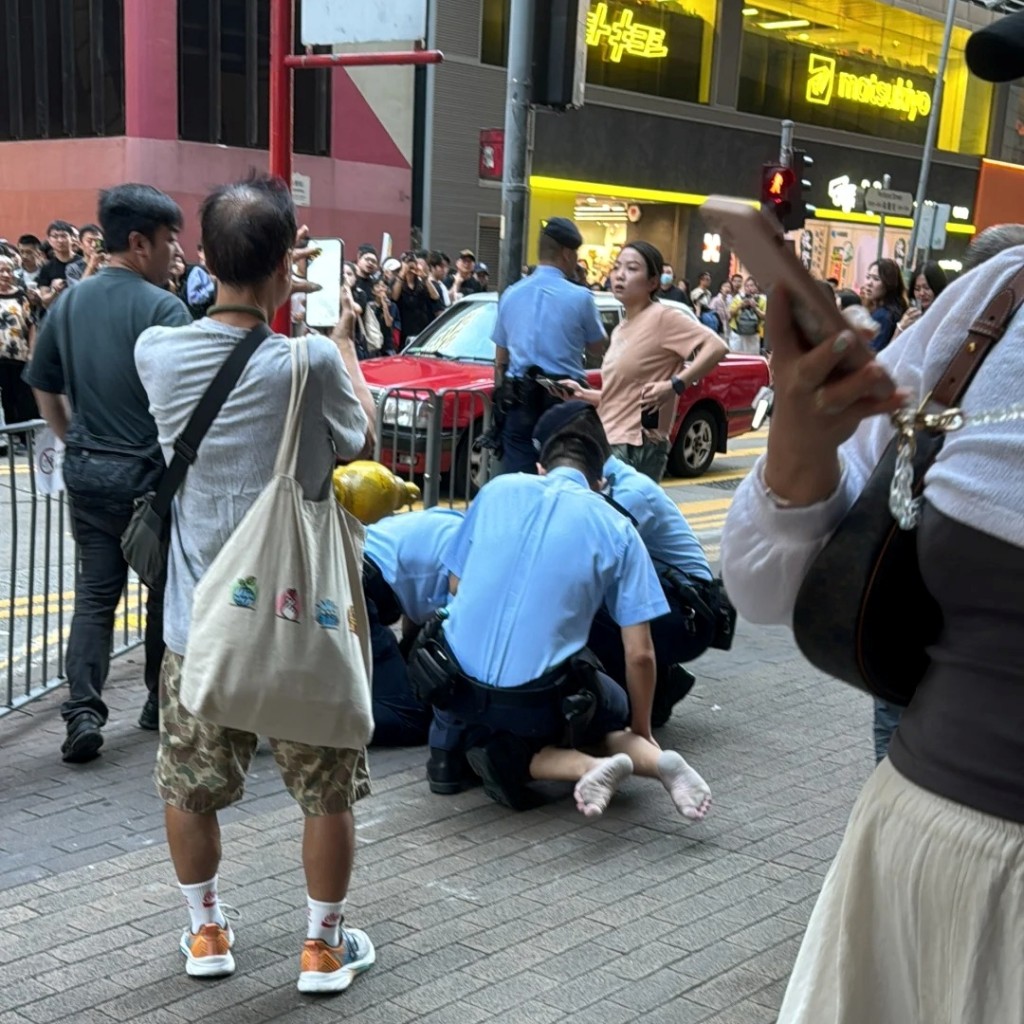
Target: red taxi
{"points": [[439, 389]]}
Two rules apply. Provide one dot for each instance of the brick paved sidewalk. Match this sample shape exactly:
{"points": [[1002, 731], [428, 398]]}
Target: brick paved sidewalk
{"points": [[478, 913]]}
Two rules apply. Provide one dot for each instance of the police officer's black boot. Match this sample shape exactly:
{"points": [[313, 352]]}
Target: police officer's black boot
{"points": [[673, 685], [503, 763], [448, 773]]}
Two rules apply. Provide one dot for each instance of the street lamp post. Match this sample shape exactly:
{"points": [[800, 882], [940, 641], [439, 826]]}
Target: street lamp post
{"points": [[929, 140], [514, 186]]}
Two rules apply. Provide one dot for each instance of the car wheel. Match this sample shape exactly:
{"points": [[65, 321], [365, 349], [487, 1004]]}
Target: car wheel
{"points": [[470, 465], [696, 444]]}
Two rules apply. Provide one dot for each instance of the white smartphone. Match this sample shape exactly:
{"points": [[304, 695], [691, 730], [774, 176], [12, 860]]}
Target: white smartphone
{"points": [[323, 308], [771, 260]]}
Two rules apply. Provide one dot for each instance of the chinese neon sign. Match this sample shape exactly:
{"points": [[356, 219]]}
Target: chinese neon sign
{"points": [[622, 35], [826, 83]]}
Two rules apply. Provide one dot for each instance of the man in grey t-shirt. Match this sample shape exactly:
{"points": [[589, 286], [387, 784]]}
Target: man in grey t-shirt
{"points": [[86, 353], [248, 235]]}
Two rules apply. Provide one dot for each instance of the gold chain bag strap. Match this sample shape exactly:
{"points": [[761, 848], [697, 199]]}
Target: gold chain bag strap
{"points": [[863, 613]]}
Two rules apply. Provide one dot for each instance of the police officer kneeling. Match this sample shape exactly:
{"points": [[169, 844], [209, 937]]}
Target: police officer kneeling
{"points": [[700, 615], [531, 564], [403, 579]]}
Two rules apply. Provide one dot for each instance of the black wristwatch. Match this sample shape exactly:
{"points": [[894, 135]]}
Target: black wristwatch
{"points": [[678, 385]]}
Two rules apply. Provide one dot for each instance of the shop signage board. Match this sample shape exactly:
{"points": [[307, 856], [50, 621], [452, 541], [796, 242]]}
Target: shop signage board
{"points": [[888, 202], [616, 31], [932, 230], [328, 22], [829, 82], [301, 189]]}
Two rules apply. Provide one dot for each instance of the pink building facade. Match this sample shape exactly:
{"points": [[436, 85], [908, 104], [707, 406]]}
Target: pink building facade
{"points": [[362, 189]]}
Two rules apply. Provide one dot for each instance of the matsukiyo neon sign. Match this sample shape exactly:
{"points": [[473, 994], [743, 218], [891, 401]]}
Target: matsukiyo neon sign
{"points": [[622, 35], [825, 83]]}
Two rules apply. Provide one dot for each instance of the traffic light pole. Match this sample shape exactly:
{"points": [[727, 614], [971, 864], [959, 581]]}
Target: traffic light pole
{"points": [[929, 140], [514, 184], [786, 145]]}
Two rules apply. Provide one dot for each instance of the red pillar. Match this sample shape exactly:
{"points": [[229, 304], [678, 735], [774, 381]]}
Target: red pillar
{"points": [[282, 32], [151, 69]]}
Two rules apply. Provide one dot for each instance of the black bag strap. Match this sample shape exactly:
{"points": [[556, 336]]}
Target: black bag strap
{"points": [[186, 447]]}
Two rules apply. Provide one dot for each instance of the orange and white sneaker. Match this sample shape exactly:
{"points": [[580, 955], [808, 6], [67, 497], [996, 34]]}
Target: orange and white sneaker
{"points": [[208, 951], [324, 968]]}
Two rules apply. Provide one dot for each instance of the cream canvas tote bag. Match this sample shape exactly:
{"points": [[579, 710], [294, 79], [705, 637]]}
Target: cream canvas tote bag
{"points": [[280, 641]]}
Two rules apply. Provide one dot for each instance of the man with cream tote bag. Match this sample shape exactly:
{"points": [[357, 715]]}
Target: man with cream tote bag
{"points": [[264, 623]]}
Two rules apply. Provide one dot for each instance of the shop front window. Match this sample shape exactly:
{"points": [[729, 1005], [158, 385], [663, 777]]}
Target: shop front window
{"points": [[656, 47], [860, 66]]}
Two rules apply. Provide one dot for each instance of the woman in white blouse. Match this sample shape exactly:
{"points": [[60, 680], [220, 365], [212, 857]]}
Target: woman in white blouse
{"points": [[920, 917]]}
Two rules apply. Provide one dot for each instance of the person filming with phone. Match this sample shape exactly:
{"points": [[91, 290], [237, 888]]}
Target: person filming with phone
{"points": [[415, 293], [927, 284]]}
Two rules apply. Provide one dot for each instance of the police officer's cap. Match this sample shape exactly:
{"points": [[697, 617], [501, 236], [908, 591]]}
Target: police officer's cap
{"points": [[557, 419], [564, 232]]}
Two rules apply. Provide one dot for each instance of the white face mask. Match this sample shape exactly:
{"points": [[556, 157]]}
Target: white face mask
{"points": [[666, 279]]}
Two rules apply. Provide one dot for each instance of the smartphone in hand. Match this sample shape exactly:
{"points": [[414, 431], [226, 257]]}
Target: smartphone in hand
{"points": [[552, 387], [771, 259]]}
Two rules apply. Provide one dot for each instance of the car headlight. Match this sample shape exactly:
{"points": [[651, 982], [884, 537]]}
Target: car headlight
{"points": [[406, 412]]}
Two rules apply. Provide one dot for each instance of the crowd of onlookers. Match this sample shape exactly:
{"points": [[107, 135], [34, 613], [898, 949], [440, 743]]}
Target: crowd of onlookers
{"points": [[398, 297], [395, 299], [35, 272]]}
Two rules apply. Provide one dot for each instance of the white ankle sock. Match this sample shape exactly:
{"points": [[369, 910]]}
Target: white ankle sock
{"points": [[324, 920], [203, 904]]}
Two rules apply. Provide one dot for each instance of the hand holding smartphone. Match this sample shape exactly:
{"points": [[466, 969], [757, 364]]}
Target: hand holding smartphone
{"points": [[771, 260], [552, 387]]}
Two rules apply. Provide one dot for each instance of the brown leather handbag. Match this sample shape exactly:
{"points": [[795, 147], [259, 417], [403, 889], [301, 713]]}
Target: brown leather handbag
{"points": [[863, 613]]}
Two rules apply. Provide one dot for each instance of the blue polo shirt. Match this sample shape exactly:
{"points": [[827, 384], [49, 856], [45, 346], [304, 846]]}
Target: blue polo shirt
{"points": [[545, 320], [407, 549], [536, 557], [668, 537]]}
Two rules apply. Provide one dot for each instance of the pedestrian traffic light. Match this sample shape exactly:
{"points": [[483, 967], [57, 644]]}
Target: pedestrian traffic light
{"points": [[797, 210], [776, 183]]}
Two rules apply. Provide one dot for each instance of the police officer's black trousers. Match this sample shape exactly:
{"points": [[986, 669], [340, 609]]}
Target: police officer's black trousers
{"points": [[400, 720], [518, 452], [677, 638]]}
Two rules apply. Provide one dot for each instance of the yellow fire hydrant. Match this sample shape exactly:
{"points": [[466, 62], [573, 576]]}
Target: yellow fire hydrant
{"points": [[370, 491]]}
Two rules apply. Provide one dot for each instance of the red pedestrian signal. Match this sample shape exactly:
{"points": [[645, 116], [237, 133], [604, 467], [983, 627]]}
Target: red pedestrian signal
{"points": [[776, 181]]}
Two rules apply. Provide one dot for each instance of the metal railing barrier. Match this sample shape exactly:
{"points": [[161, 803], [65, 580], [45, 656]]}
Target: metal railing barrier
{"points": [[38, 566], [428, 436]]}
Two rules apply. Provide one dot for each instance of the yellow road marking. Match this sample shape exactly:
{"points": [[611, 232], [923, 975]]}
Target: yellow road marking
{"points": [[56, 636], [67, 595]]}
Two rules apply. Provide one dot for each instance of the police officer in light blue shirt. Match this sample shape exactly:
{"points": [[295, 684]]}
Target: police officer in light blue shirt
{"points": [[403, 577], [687, 631], [531, 565], [408, 549], [545, 322]]}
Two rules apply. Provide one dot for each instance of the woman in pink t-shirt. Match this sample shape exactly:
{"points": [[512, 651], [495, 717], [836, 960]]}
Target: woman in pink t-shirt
{"points": [[656, 352]]}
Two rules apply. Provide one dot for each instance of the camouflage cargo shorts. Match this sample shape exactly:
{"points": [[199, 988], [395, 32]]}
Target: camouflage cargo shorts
{"points": [[201, 767]]}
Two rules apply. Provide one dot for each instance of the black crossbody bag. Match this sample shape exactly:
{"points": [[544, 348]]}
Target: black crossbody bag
{"points": [[146, 541], [863, 613]]}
